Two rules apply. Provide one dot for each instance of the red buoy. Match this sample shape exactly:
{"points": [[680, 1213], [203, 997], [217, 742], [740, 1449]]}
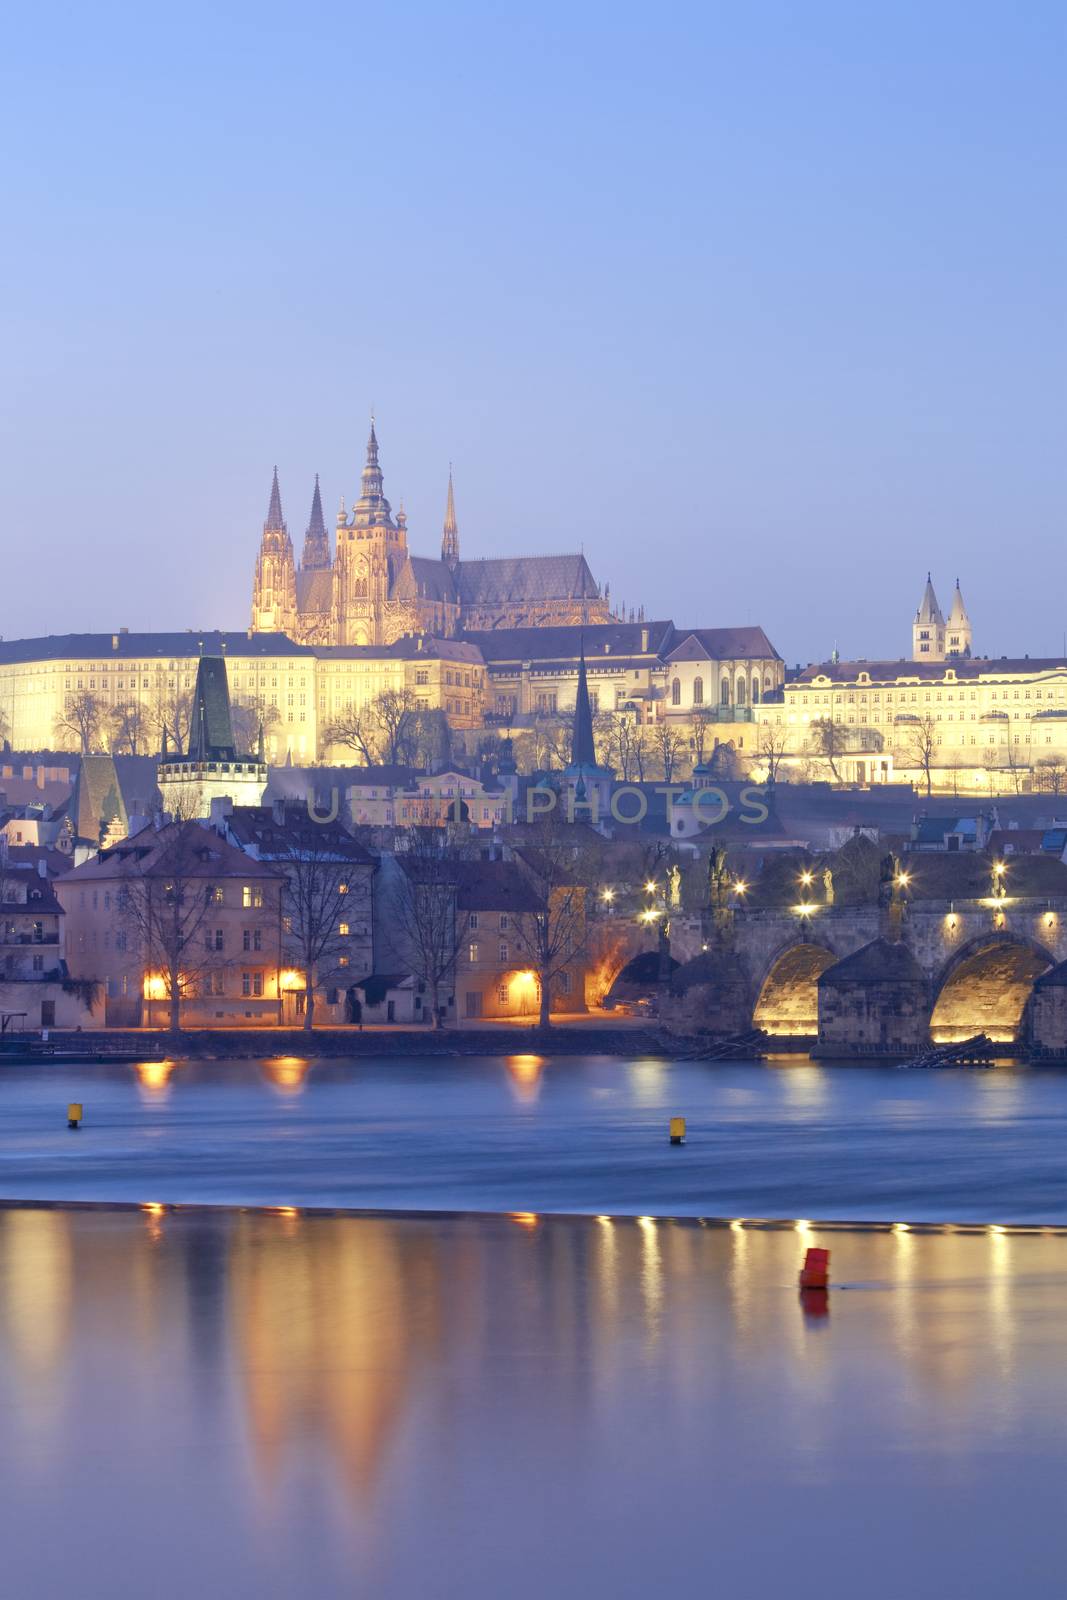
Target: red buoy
{"points": [[815, 1273]]}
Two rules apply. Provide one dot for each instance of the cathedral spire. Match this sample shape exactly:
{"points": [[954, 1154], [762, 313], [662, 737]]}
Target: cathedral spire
{"points": [[583, 748], [450, 536], [275, 522], [316, 539]]}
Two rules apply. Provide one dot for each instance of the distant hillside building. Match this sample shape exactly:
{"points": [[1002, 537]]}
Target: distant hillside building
{"points": [[372, 590], [934, 639]]}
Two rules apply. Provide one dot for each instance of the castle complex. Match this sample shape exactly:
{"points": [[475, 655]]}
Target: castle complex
{"points": [[372, 591]]}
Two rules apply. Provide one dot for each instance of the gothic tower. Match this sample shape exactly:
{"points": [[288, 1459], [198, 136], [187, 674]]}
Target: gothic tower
{"points": [[371, 550], [450, 535], [316, 540], [958, 627], [928, 629], [274, 589]]}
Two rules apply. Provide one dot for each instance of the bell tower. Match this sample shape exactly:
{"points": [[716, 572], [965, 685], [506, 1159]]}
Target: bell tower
{"points": [[958, 627], [274, 588], [371, 551], [928, 629]]}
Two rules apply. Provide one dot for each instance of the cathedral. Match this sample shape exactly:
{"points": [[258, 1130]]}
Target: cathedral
{"points": [[371, 590]]}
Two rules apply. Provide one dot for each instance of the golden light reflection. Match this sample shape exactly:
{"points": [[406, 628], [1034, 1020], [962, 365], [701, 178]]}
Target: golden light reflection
{"points": [[287, 1074], [651, 1276], [525, 1075], [525, 1219], [291, 981], [153, 1076]]}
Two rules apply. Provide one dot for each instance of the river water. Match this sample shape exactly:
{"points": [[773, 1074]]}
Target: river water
{"points": [[785, 1139], [268, 1406]]}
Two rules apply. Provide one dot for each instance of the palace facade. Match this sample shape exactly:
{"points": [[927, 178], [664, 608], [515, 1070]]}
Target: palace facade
{"points": [[946, 720], [370, 590]]}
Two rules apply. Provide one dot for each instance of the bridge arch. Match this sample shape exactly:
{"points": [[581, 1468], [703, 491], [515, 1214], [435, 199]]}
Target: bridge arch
{"points": [[986, 986], [787, 1000]]}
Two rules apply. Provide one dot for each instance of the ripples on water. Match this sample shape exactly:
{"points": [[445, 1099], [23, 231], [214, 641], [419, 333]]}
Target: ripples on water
{"points": [[276, 1405], [781, 1139]]}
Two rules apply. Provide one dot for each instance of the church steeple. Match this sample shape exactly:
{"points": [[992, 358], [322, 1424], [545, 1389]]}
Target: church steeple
{"points": [[958, 627], [316, 540], [274, 586], [275, 522], [583, 748], [450, 535], [372, 509], [928, 629]]}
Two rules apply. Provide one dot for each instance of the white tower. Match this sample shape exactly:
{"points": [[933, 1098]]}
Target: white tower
{"points": [[928, 629], [958, 627]]}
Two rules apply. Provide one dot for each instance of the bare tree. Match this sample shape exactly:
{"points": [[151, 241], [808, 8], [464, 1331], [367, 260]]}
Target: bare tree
{"points": [[772, 747], [81, 720], [5, 727], [128, 727], [918, 746], [394, 714], [668, 745], [165, 906], [552, 746], [169, 712], [641, 750], [249, 713], [555, 936], [319, 899], [1050, 775], [828, 743], [1016, 763], [426, 922], [701, 723], [354, 729]]}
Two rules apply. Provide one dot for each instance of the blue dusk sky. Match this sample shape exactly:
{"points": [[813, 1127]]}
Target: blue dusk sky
{"points": [[762, 304]]}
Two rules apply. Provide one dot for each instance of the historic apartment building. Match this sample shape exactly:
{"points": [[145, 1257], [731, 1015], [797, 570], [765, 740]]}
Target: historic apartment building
{"points": [[963, 722], [370, 589]]}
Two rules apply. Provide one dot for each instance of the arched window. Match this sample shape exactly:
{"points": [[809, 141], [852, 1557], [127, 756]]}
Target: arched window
{"points": [[698, 691], [740, 691], [676, 691], [725, 692], [755, 691]]}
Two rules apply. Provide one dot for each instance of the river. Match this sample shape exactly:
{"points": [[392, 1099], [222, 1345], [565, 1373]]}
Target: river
{"points": [[781, 1139], [267, 1406]]}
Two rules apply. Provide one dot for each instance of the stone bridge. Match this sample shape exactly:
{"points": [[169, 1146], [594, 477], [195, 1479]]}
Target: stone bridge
{"points": [[881, 977]]}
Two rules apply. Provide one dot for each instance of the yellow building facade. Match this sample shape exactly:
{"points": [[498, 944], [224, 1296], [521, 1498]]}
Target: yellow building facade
{"points": [[970, 725], [119, 691]]}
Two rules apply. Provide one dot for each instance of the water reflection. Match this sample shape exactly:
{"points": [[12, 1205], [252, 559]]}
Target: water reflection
{"points": [[286, 1074], [275, 1375], [524, 1074], [153, 1078]]}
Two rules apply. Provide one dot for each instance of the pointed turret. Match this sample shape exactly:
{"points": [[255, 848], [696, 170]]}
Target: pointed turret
{"points": [[583, 748], [372, 509], [958, 627], [316, 539], [274, 586], [928, 629], [450, 535], [275, 522], [929, 610]]}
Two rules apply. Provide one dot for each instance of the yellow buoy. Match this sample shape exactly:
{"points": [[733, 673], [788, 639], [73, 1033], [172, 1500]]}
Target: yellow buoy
{"points": [[74, 1115], [677, 1130]]}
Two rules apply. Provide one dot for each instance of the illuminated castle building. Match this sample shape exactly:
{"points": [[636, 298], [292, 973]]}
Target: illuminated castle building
{"points": [[372, 591]]}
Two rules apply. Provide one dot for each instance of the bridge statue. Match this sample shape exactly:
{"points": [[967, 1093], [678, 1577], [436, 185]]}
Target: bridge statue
{"points": [[718, 879], [674, 887], [828, 886], [888, 874]]}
